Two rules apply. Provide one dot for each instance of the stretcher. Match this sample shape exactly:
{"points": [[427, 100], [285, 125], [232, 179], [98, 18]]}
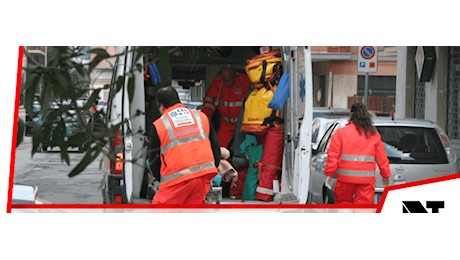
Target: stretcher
{"points": [[214, 195]]}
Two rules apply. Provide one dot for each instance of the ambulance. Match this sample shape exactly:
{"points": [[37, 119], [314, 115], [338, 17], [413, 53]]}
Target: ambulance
{"points": [[126, 180]]}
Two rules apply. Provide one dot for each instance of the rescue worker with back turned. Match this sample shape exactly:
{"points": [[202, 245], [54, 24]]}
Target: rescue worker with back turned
{"points": [[226, 94], [184, 151], [352, 154]]}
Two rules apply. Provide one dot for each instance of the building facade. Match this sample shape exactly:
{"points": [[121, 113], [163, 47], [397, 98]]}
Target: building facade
{"points": [[337, 82], [102, 74], [436, 97]]}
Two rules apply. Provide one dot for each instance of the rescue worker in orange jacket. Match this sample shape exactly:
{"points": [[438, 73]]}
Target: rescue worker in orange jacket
{"points": [[226, 93], [352, 154], [184, 151]]}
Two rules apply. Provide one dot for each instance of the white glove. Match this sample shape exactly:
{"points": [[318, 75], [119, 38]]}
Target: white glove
{"points": [[328, 182]]}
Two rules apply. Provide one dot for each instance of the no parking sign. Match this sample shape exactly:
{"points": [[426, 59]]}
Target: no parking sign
{"points": [[367, 58]]}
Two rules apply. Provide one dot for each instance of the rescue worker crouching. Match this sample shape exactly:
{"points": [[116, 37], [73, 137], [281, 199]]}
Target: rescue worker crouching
{"points": [[184, 151], [352, 154]]}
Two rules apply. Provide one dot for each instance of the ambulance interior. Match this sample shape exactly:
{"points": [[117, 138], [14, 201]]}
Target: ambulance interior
{"points": [[193, 68]]}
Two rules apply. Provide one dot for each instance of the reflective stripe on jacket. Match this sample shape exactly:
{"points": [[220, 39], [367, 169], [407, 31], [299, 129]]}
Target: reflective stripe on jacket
{"points": [[353, 157], [185, 149], [228, 100]]}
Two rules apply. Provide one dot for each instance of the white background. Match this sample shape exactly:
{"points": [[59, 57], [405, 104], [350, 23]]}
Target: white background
{"points": [[8, 76]]}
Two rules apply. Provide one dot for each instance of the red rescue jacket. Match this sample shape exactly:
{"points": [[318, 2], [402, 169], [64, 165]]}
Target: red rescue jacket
{"points": [[185, 149], [352, 156], [227, 100]]}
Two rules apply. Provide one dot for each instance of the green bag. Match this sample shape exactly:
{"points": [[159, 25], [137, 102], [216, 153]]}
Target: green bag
{"points": [[254, 152]]}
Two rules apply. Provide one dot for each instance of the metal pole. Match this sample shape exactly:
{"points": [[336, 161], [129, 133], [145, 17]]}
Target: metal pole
{"points": [[366, 87], [330, 89]]}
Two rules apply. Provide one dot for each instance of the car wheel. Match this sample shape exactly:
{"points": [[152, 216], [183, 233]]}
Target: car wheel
{"points": [[44, 148], [328, 196]]}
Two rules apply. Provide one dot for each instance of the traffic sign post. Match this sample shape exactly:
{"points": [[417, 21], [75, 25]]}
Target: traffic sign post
{"points": [[367, 62], [366, 87], [367, 58]]}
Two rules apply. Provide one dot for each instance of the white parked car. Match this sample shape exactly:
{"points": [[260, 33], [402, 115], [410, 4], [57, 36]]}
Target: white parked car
{"points": [[24, 194]]}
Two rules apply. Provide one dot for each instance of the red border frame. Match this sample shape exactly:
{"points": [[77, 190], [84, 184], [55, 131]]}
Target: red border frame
{"points": [[151, 206], [15, 129], [192, 206]]}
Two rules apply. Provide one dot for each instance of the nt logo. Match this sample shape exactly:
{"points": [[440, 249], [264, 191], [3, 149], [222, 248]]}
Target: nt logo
{"points": [[417, 207]]}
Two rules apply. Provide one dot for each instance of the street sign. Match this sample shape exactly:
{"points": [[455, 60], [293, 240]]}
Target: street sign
{"points": [[367, 58]]}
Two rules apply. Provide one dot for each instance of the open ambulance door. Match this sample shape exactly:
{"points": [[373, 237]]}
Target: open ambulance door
{"points": [[130, 149], [298, 116], [133, 139]]}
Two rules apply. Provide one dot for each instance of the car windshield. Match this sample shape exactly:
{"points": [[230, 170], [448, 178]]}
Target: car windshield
{"points": [[412, 145]]}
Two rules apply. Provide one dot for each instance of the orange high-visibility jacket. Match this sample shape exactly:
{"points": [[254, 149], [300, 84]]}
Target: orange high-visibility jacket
{"points": [[185, 149], [352, 156], [227, 99]]}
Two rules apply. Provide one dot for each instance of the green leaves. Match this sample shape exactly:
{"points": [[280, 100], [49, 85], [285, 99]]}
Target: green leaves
{"points": [[101, 54], [131, 89], [89, 157], [92, 99], [164, 60], [141, 50], [61, 83]]}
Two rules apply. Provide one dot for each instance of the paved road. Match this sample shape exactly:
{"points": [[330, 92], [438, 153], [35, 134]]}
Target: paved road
{"points": [[46, 171]]}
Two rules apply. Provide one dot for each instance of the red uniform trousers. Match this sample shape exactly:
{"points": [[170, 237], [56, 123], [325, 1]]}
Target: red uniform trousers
{"points": [[192, 191], [225, 132], [363, 193]]}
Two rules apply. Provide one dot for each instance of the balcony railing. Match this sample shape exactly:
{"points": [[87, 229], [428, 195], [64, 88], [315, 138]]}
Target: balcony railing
{"points": [[36, 49]]}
